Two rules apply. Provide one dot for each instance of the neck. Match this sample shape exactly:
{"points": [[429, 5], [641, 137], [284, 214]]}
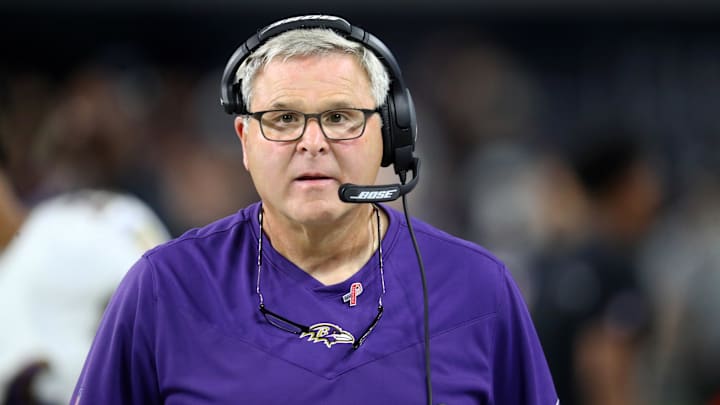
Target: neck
{"points": [[331, 253], [12, 213]]}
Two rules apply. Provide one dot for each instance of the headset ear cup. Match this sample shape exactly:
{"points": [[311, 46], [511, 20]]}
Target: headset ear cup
{"points": [[238, 105], [388, 156]]}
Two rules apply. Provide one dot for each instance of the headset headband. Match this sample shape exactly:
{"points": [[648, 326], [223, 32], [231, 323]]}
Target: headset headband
{"points": [[230, 85]]}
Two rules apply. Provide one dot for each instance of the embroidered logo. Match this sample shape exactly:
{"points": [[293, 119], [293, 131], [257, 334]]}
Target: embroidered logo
{"points": [[329, 334], [351, 297]]}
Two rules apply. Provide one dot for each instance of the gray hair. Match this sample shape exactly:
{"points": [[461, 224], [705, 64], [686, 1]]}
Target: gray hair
{"points": [[316, 41]]}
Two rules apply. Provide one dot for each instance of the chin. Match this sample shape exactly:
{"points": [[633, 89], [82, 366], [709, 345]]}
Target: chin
{"points": [[318, 212]]}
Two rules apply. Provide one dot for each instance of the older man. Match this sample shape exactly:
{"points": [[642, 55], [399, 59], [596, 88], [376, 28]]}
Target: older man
{"points": [[303, 297]]}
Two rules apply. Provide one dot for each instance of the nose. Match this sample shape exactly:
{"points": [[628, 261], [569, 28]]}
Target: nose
{"points": [[313, 140]]}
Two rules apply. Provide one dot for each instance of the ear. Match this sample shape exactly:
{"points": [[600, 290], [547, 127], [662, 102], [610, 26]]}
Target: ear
{"points": [[239, 128]]}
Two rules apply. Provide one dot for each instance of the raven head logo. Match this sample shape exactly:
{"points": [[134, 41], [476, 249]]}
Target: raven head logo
{"points": [[329, 334]]}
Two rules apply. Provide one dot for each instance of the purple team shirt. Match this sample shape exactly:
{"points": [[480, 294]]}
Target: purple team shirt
{"points": [[184, 327]]}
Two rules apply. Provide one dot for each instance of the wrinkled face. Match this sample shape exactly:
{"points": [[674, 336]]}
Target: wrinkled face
{"points": [[299, 180]]}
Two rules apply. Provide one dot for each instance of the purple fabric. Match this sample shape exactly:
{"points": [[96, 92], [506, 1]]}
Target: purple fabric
{"points": [[184, 327]]}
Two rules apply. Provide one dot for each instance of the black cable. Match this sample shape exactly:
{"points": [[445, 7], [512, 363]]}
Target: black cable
{"points": [[426, 316]]}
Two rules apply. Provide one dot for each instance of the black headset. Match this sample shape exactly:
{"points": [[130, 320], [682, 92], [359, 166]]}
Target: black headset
{"points": [[399, 130]]}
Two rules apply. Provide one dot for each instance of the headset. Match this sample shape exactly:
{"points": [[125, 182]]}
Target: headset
{"points": [[399, 130]]}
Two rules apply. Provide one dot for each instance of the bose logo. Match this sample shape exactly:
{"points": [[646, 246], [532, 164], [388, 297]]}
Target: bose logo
{"points": [[368, 195]]}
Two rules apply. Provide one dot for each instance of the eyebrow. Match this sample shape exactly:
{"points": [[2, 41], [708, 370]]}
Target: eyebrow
{"points": [[340, 104], [333, 105]]}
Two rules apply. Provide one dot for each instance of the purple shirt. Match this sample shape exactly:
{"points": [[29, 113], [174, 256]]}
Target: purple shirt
{"points": [[184, 327]]}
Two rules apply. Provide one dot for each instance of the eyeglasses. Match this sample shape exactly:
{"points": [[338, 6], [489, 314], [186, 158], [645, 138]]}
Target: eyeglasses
{"points": [[288, 125], [287, 325]]}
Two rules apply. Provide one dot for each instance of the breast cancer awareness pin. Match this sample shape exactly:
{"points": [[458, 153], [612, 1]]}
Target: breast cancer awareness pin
{"points": [[351, 297]]}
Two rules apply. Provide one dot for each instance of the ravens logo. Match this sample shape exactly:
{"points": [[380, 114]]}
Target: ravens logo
{"points": [[329, 334]]}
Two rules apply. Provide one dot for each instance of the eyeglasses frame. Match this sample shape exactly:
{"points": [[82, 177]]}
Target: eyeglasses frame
{"points": [[307, 116]]}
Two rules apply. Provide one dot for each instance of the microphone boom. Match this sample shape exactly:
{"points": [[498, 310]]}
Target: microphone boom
{"points": [[353, 193]]}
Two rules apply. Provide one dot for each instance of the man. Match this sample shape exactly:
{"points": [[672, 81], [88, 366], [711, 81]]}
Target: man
{"points": [[592, 311], [59, 263], [304, 298]]}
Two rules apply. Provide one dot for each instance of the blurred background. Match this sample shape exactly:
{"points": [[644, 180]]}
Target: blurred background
{"points": [[577, 140]]}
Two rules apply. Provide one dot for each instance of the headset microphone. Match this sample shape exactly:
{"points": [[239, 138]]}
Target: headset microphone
{"points": [[353, 193]]}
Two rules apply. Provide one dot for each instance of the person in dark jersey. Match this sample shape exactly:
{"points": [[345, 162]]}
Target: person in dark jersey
{"points": [[302, 297]]}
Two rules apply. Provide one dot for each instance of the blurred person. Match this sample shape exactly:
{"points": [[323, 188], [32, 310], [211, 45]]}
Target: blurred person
{"points": [[24, 100], [12, 211], [132, 129], [90, 137], [195, 159], [193, 184], [484, 106], [302, 297], [481, 104], [593, 316], [60, 262], [680, 268]]}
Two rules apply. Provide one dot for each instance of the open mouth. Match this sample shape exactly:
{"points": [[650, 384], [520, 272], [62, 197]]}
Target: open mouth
{"points": [[313, 178]]}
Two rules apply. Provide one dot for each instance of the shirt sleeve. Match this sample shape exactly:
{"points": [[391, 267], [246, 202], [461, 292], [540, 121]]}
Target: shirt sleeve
{"points": [[521, 373], [120, 367]]}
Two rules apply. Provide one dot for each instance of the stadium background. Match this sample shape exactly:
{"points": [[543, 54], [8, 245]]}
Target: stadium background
{"points": [[123, 94]]}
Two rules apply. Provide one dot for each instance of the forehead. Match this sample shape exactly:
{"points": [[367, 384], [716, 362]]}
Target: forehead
{"points": [[313, 81]]}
